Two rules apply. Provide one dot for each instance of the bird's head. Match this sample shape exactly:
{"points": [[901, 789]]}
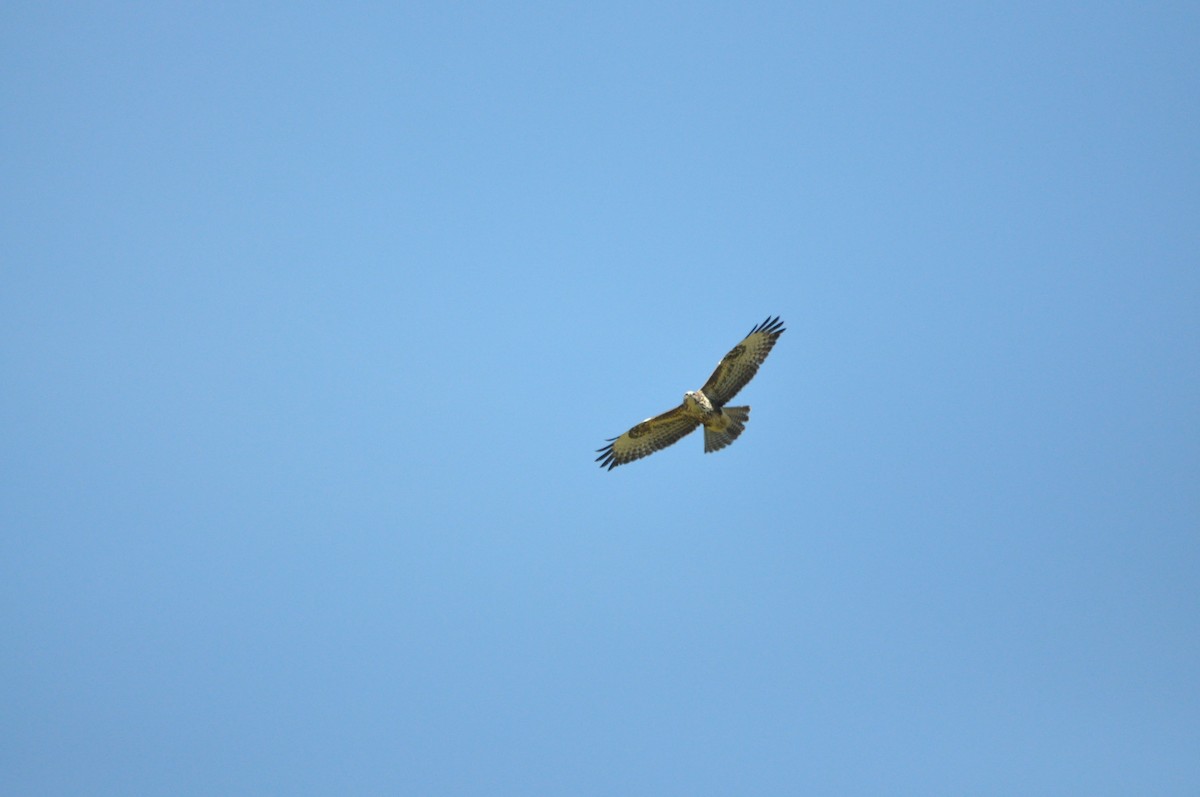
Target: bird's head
{"points": [[695, 400]]}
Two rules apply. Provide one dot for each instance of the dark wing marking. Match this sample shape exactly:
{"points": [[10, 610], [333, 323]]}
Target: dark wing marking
{"points": [[741, 364], [647, 437]]}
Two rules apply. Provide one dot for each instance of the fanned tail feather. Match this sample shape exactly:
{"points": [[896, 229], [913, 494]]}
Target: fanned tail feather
{"points": [[715, 441]]}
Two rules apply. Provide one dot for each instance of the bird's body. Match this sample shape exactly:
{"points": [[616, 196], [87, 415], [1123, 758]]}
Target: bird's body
{"points": [[721, 425], [704, 407]]}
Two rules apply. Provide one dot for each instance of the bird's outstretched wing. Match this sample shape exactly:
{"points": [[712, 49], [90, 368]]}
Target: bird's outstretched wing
{"points": [[647, 437], [741, 364]]}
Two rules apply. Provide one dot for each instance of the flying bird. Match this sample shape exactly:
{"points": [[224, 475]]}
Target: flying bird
{"points": [[705, 406]]}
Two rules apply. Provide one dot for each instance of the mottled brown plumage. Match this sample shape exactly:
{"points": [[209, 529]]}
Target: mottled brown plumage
{"points": [[703, 407]]}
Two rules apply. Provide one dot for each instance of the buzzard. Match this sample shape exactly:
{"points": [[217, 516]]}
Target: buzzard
{"points": [[706, 406]]}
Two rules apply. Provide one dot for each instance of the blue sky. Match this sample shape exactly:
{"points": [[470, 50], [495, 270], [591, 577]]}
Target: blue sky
{"points": [[313, 316]]}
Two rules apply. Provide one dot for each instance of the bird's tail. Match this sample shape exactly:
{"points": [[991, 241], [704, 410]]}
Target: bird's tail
{"points": [[715, 441]]}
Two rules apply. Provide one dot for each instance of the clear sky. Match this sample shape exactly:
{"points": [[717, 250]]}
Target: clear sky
{"points": [[313, 316]]}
